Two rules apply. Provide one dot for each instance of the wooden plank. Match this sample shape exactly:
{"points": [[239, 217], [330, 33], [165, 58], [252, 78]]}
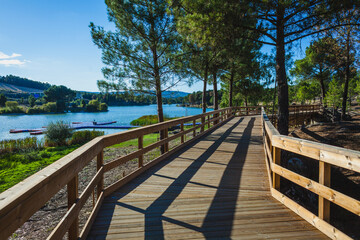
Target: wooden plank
{"points": [[327, 193], [140, 147], [73, 191], [99, 165], [276, 160], [337, 156], [325, 179], [320, 224]]}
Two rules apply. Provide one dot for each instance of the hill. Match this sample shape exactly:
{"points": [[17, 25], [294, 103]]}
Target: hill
{"points": [[17, 84]]}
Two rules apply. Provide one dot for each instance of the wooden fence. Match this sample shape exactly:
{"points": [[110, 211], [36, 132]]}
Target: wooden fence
{"points": [[326, 155], [20, 202]]}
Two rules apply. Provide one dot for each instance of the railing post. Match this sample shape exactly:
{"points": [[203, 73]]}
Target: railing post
{"points": [[194, 124], [324, 179], [73, 192], [140, 146], [99, 164], [209, 121], [247, 111], [202, 124], [277, 160], [166, 145], [182, 130]]}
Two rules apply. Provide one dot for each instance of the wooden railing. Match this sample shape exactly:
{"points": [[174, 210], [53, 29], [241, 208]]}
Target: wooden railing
{"points": [[298, 114], [326, 155], [20, 202]]}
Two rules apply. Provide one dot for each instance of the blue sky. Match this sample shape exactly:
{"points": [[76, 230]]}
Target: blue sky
{"points": [[49, 41]]}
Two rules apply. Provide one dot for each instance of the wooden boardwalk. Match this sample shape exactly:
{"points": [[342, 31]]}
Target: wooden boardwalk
{"points": [[215, 188]]}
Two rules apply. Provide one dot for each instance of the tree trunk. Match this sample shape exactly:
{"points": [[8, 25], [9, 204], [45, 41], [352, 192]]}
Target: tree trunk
{"points": [[204, 88], [283, 94], [216, 102], [322, 84], [347, 78], [231, 89]]}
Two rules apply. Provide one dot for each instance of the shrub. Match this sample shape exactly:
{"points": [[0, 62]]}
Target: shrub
{"points": [[35, 110], [81, 137], [57, 133], [20, 145], [12, 104], [103, 107], [50, 107], [147, 120]]}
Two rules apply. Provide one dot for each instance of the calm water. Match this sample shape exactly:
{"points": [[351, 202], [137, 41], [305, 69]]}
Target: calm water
{"points": [[123, 116]]}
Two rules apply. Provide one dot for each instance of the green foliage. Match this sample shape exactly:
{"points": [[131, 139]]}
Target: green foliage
{"points": [[11, 107], [50, 107], [307, 91], [59, 93], [333, 95], [103, 107], [31, 100], [15, 167], [147, 120], [57, 133], [20, 145], [81, 137], [3, 100]]}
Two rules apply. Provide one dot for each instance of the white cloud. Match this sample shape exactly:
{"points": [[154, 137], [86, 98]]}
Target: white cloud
{"points": [[4, 56], [8, 60], [12, 62]]}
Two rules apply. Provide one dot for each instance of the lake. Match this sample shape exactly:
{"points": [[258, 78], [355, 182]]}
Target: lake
{"points": [[123, 115]]}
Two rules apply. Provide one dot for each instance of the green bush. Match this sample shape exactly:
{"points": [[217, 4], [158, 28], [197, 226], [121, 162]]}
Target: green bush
{"points": [[81, 137], [57, 133], [11, 107], [50, 107], [103, 107], [147, 120], [35, 110], [20, 145]]}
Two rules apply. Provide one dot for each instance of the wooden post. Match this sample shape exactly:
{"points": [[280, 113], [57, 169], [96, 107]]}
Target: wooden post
{"points": [[324, 179], [277, 160], [166, 145], [202, 123], [208, 121], [194, 124], [247, 111], [182, 130], [73, 192], [99, 164], [140, 146]]}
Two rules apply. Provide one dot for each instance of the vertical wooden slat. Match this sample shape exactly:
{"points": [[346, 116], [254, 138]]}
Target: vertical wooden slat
{"points": [[166, 145], [325, 179], [202, 123], [73, 193], [208, 121], [194, 124], [99, 164], [140, 146], [276, 159], [182, 130]]}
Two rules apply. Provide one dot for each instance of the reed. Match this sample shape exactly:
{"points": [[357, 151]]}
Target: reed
{"points": [[20, 145]]}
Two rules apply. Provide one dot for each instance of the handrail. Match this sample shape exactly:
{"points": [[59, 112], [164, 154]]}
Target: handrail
{"points": [[20, 202], [327, 155]]}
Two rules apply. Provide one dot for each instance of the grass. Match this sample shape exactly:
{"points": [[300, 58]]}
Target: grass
{"points": [[16, 167], [147, 120], [148, 139]]}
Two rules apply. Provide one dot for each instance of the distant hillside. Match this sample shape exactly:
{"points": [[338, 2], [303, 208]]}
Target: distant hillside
{"points": [[19, 84], [174, 94], [18, 89]]}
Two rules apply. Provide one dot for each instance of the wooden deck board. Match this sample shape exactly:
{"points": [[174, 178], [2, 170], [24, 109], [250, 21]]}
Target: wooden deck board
{"points": [[216, 188]]}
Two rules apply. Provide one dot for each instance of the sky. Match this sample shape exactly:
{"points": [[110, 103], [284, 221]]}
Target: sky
{"points": [[50, 41]]}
